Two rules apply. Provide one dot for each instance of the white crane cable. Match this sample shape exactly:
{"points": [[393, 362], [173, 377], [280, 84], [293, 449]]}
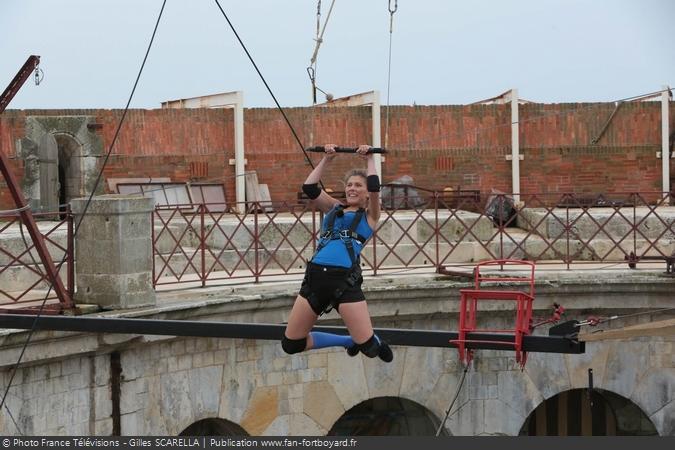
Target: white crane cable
{"points": [[319, 35], [311, 69]]}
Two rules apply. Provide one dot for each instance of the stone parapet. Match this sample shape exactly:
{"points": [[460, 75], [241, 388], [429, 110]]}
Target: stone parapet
{"points": [[169, 383], [600, 223], [113, 250]]}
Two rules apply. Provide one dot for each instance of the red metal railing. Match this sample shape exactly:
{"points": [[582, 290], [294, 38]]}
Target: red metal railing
{"points": [[270, 239], [425, 229], [24, 283]]}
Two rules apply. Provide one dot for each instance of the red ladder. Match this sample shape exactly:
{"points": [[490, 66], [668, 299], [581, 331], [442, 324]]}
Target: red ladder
{"points": [[468, 308]]}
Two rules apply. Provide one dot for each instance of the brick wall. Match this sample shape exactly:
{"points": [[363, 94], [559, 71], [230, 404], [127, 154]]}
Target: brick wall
{"points": [[439, 146]]}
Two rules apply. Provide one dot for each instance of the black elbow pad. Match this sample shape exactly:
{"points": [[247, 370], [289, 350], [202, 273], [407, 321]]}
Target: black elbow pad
{"points": [[373, 183], [312, 190]]}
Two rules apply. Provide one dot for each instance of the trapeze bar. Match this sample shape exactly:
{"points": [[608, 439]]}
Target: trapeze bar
{"points": [[319, 149], [405, 337]]}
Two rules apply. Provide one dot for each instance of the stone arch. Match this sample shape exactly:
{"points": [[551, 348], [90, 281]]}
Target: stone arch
{"points": [[580, 412], [67, 143], [387, 416], [213, 426]]}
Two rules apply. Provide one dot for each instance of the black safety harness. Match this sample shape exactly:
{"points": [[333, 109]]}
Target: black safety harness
{"points": [[347, 236]]}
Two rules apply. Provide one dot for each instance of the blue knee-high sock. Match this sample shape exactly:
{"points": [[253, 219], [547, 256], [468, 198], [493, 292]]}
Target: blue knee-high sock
{"points": [[323, 340]]}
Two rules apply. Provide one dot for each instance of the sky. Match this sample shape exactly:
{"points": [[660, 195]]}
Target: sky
{"points": [[442, 52]]}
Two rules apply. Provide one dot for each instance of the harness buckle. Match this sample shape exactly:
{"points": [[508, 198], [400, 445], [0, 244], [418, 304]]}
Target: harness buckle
{"points": [[345, 234]]}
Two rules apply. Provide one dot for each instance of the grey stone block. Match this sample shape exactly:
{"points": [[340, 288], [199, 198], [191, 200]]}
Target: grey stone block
{"points": [[114, 251]]}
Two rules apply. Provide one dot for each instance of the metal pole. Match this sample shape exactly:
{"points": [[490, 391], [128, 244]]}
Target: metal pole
{"points": [[377, 139], [515, 147], [18, 81], [155, 250], [239, 155], [665, 131], [202, 241], [70, 251]]}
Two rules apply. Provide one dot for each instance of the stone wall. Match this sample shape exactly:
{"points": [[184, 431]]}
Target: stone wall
{"points": [[66, 384]]}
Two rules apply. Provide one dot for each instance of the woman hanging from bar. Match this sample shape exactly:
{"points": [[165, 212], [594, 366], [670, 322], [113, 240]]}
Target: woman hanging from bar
{"points": [[333, 276]]}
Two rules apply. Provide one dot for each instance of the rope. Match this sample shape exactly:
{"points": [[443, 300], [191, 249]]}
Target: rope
{"points": [[98, 179], [597, 321], [319, 36], [391, 32], [454, 399], [255, 66], [311, 70]]}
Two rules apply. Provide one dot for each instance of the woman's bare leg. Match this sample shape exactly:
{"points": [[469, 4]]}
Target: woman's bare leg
{"points": [[357, 319], [300, 321]]}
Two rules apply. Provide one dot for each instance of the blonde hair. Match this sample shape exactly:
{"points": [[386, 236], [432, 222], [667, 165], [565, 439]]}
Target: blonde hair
{"points": [[355, 173]]}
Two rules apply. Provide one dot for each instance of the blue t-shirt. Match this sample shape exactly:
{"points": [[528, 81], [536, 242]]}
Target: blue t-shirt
{"points": [[335, 253]]}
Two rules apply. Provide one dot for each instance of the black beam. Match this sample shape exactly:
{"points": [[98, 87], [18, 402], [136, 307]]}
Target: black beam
{"points": [[414, 338]]}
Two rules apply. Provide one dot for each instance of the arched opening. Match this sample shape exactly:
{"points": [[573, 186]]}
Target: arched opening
{"points": [[214, 427], [581, 412], [386, 416], [69, 169]]}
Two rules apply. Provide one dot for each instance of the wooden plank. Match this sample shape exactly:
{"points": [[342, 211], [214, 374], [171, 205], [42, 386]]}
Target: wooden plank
{"points": [[256, 192], [252, 189], [265, 198], [660, 328], [213, 194]]}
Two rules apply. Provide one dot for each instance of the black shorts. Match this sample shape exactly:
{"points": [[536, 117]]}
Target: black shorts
{"points": [[325, 287]]}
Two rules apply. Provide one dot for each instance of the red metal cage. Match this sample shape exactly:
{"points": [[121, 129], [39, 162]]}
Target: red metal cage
{"points": [[511, 292]]}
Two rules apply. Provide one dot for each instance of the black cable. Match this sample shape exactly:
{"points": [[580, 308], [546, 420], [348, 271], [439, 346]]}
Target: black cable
{"points": [[86, 207], [11, 416], [281, 110], [454, 399], [119, 125], [642, 313]]}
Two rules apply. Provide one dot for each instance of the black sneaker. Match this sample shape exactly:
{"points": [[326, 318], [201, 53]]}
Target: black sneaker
{"points": [[385, 352], [353, 350]]}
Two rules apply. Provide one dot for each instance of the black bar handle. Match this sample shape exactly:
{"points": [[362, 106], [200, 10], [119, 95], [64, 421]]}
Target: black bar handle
{"points": [[320, 149]]}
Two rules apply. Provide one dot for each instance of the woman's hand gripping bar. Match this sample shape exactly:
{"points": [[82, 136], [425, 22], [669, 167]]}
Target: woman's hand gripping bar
{"points": [[321, 149]]}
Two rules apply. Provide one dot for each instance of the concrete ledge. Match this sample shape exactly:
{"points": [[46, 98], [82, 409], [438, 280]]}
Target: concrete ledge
{"points": [[412, 301]]}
